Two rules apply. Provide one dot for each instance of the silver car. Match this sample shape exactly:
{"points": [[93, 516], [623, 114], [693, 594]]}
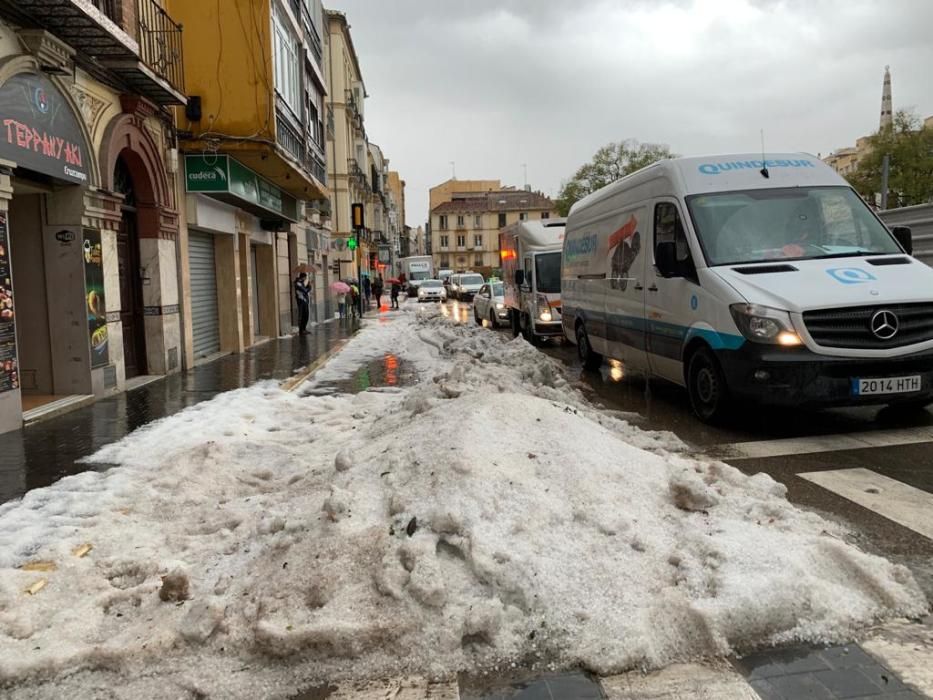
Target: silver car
{"points": [[489, 305], [431, 290], [465, 285]]}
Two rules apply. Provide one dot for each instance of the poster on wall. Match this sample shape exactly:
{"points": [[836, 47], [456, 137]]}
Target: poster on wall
{"points": [[9, 371], [94, 298]]}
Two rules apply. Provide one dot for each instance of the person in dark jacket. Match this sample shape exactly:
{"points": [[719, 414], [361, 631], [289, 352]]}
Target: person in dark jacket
{"points": [[367, 289], [303, 302], [395, 291], [377, 291]]}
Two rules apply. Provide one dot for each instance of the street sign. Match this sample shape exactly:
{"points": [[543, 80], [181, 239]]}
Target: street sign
{"points": [[206, 174], [229, 180]]}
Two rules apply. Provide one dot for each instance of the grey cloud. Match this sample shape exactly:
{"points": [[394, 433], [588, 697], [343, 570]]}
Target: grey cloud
{"points": [[494, 84]]}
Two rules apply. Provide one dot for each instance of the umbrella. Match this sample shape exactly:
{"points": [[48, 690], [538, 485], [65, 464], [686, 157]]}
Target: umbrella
{"points": [[394, 280], [340, 287], [303, 267]]}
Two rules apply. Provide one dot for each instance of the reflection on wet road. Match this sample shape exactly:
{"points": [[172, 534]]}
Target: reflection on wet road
{"points": [[385, 371]]}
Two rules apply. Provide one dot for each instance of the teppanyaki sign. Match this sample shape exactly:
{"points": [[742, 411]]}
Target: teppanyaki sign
{"points": [[39, 130]]}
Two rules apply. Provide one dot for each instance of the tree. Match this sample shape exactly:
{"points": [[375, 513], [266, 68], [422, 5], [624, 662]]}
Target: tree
{"points": [[611, 162], [910, 170]]}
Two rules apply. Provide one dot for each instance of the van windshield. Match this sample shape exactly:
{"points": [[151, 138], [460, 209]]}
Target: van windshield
{"points": [[420, 275], [472, 279], [547, 273], [799, 223]]}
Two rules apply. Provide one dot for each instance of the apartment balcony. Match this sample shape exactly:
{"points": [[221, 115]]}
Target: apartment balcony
{"points": [[136, 40]]}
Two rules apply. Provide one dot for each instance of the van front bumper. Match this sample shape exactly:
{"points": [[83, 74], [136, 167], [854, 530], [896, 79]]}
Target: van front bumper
{"points": [[552, 328], [800, 377]]}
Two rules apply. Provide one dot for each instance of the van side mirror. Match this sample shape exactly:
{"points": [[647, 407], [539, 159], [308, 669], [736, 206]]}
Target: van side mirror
{"points": [[903, 235], [665, 259], [519, 277]]}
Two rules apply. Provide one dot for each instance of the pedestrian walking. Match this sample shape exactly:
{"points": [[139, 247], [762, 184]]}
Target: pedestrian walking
{"points": [[377, 291], [395, 291], [354, 300], [303, 302], [367, 289]]}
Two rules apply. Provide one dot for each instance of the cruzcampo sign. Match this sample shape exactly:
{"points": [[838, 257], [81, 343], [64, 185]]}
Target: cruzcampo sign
{"points": [[229, 180], [39, 129]]}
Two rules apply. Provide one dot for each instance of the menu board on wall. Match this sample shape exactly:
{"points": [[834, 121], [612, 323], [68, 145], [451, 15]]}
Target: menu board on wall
{"points": [[94, 298], [9, 370]]}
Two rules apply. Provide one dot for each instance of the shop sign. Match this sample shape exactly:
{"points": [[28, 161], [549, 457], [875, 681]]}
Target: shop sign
{"points": [[385, 253], [39, 130], [9, 371], [94, 298], [221, 174]]}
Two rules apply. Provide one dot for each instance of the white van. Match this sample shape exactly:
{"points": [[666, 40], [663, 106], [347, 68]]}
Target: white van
{"points": [[748, 279]]}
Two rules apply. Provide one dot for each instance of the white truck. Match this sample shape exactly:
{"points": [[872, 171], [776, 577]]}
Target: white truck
{"points": [[416, 269], [530, 253]]}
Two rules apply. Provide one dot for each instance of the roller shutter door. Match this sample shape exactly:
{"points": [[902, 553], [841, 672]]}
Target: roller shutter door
{"points": [[205, 320]]}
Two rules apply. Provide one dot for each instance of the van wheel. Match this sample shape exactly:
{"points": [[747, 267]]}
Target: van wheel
{"points": [[709, 395], [516, 327], [589, 359], [492, 319], [528, 331]]}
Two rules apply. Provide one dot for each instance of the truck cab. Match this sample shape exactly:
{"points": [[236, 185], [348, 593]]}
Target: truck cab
{"points": [[530, 253]]}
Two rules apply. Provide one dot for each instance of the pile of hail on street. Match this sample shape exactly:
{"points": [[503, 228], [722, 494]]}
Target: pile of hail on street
{"points": [[486, 514]]}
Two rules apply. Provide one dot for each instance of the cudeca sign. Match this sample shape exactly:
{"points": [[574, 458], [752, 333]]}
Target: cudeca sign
{"points": [[222, 175], [39, 130]]}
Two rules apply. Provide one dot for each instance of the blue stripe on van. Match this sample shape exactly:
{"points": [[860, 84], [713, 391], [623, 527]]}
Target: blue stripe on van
{"points": [[667, 339]]}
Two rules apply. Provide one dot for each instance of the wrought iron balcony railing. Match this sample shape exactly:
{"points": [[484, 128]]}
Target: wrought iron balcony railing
{"points": [[160, 45]]}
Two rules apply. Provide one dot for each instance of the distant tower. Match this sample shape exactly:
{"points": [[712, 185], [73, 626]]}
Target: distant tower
{"points": [[887, 113]]}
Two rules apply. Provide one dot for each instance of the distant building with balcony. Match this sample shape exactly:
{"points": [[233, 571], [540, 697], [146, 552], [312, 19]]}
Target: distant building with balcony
{"points": [[254, 141], [89, 206], [465, 229]]}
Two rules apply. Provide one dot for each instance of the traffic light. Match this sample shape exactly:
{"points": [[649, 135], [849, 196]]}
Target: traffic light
{"points": [[357, 211], [351, 243]]}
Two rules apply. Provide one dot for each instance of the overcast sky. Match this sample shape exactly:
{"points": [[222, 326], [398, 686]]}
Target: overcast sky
{"points": [[494, 84]]}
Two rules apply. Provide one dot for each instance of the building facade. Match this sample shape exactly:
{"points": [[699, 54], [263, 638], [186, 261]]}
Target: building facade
{"points": [[348, 157], [89, 213], [253, 141], [465, 229]]}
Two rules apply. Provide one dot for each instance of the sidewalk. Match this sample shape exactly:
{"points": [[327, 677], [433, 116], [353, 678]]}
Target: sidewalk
{"points": [[43, 453]]}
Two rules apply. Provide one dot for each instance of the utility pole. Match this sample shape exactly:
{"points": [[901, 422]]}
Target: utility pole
{"points": [[359, 224], [885, 168]]}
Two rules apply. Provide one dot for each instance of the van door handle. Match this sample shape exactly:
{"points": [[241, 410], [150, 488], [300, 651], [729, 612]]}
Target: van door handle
{"points": [[638, 287], [653, 288]]}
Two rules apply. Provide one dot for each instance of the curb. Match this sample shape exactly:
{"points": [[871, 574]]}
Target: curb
{"points": [[296, 380]]}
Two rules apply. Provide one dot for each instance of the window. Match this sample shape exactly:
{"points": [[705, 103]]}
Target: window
{"points": [[547, 273], [461, 241], [478, 260], [460, 221], [787, 223], [442, 223], [445, 262], [478, 221], [669, 228], [286, 64], [501, 220], [523, 216], [545, 215], [445, 241], [478, 240]]}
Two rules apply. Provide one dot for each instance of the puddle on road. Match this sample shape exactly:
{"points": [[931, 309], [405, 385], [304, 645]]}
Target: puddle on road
{"points": [[386, 371]]}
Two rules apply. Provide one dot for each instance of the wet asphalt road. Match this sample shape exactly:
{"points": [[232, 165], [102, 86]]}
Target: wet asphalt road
{"points": [[827, 441]]}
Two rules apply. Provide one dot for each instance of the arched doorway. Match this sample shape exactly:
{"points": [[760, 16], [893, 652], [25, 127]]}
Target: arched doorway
{"points": [[132, 314]]}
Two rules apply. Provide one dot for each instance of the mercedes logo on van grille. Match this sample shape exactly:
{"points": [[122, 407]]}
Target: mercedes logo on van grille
{"points": [[884, 324]]}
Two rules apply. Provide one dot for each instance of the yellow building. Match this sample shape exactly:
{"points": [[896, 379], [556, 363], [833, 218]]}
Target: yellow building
{"points": [[465, 229], [253, 136], [445, 191]]}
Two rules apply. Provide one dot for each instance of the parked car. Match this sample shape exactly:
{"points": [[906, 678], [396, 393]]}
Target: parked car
{"points": [[465, 285], [489, 305], [431, 290]]}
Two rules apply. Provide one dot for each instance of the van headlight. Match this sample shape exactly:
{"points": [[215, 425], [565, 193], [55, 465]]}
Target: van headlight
{"points": [[500, 305], [762, 324]]}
